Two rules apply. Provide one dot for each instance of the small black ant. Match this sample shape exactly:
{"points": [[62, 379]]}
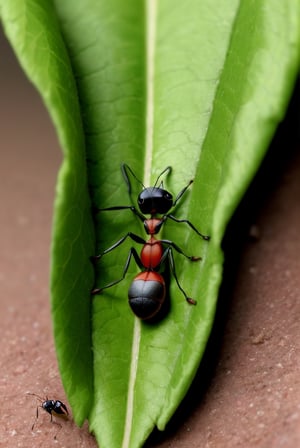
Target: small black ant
{"points": [[147, 292], [53, 407]]}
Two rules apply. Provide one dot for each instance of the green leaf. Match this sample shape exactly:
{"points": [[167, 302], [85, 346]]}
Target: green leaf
{"points": [[33, 31], [200, 86]]}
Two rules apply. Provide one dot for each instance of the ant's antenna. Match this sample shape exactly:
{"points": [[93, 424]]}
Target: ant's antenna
{"points": [[35, 395], [124, 168], [166, 170]]}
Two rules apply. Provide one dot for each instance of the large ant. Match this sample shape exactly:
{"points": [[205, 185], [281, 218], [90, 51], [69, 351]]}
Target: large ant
{"points": [[148, 289]]}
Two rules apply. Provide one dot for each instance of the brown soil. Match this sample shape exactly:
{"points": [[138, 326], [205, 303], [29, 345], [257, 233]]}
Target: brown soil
{"points": [[247, 393]]}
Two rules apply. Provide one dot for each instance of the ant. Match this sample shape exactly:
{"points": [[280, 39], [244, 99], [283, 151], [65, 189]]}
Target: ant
{"points": [[53, 407], [148, 290]]}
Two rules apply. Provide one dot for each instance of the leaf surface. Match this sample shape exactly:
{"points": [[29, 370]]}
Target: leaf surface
{"points": [[33, 30], [200, 86]]}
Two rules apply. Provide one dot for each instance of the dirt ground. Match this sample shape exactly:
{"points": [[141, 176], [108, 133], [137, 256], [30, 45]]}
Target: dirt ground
{"points": [[247, 392]]}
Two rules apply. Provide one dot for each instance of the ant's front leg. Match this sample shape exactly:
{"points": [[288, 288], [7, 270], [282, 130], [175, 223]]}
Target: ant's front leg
{"points": [[131, 235], [121, 207]]}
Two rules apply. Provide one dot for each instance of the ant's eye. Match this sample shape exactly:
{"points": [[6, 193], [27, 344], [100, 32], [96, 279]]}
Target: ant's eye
{"points": [[168, 195], [141, 201]]}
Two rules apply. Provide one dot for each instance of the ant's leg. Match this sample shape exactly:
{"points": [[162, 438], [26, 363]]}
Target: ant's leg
{"points": [[37, 416], [133, 253], [122, 207], [116, 207], [60, 427], [131, 235], [205, 237], [180, 251], [169, 254]]}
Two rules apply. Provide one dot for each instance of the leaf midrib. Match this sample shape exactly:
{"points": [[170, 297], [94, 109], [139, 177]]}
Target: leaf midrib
{"points": [[150, 22], [150, 27]]}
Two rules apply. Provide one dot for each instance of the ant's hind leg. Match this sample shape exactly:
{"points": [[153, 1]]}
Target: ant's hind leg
{"points": [[169, 254]]}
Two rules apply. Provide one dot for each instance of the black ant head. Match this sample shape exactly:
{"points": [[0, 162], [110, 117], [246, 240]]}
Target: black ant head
{"points": [[154, 200], [48, 405]]}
